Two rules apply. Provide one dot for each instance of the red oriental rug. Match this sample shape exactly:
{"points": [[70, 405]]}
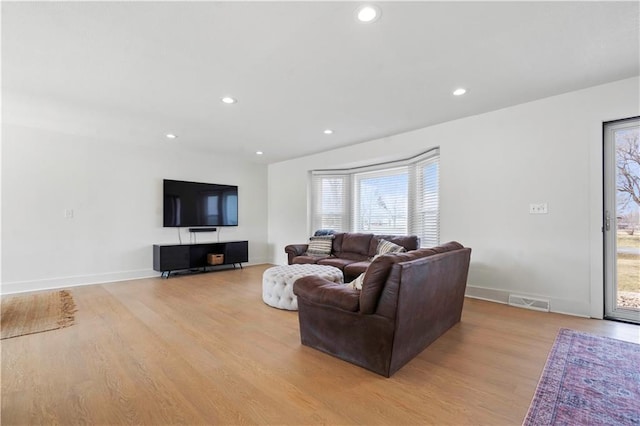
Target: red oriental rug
{"points": [[588, 380]]}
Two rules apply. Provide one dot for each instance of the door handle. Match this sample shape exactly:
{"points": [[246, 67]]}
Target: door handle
{"points": [[607, 221]]}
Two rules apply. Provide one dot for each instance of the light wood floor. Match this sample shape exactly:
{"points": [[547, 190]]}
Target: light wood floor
{"points": [[205, 349]]}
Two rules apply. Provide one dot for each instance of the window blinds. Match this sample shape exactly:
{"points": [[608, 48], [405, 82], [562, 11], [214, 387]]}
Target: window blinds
{"points": [[398, 198], [425, 218], [329, 202]]}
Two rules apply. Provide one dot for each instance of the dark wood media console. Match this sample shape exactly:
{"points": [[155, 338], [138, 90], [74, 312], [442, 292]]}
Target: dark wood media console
{"points": [[177, 257]]}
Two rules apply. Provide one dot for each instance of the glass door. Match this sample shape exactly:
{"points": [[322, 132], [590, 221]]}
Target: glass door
{"points": [[622, 219]]}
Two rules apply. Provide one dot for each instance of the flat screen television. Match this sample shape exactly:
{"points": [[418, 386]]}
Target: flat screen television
{"points": [[199, 204]]}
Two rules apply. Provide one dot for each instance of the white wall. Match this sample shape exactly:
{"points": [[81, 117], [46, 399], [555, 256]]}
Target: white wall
{"points": [[492, 166], [115, 192]]}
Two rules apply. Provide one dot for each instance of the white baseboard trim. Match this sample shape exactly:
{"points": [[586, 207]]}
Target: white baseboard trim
{"points": [[488, 294], [75, 281], [80, 280], [558, 306]]}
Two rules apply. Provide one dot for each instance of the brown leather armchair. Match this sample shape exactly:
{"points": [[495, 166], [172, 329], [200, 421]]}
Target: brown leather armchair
{"points": [[407, 301]]}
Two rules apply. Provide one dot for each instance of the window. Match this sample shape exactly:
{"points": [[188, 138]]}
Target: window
{"points": [[382, 202], [426, 213], [329, 210], [399, 198]]}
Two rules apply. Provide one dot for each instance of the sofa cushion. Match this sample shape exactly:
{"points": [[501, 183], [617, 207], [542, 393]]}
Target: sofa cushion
{"points": [[451, 245], [376, 276], [335, 261], [305, 259], [320, 246], [406, 256], [409, 242], [423, 252], [337, 242], [356, 268], [353, 257], [318, 290], [356, 243], [374, 280]]}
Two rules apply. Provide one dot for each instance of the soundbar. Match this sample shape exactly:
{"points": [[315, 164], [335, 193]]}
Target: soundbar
{"points": [[203, 229]]}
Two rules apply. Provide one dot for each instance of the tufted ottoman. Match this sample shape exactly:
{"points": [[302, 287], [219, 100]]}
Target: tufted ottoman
{"points": [[277, 283]]}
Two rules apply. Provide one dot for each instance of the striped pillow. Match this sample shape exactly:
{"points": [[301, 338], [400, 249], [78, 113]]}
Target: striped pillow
{"points": [[320, 246], [385, 246]]}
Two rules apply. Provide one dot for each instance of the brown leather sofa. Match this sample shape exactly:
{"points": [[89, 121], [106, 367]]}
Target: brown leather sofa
{"points": [[407, 301], [350, 252]]}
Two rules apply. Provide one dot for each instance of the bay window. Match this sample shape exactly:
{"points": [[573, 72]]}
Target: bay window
{"points": [[398, 198]]}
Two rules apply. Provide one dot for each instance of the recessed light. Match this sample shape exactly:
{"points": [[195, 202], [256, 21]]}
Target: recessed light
{"points": [[229, 100], [170, 136], [259, 152], [368, 13], [459, 92], [328, 132]]}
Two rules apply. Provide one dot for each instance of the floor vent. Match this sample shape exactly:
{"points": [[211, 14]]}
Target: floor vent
{"points": [[529, 303]]}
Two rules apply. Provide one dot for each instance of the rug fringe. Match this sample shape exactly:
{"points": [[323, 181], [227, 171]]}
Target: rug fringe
{"points": [[67, 317]]}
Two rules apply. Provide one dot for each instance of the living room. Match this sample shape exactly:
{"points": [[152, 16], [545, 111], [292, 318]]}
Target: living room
{"points": [[82, 180]]}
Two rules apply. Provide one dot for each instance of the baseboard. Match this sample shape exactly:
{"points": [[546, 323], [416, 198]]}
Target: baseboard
{"points": [[559, 306], [75, 281], [489, 294], [79, 280]]}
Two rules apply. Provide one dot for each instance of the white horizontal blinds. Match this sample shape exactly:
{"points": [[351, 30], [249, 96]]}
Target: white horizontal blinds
{"points": [[398, 198], [381, 204], [329, 205], [425, 218]]}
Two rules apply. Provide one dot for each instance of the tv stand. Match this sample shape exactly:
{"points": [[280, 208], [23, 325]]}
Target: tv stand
{"points": [[179, 257]]}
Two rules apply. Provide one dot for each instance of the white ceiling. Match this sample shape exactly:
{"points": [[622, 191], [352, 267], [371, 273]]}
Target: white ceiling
{"points": [[136, 71]]}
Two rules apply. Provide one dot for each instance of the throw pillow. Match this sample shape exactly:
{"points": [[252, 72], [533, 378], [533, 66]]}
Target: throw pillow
{"points": [[320, 246], [321, 232], [357, 283], [385, 246]]}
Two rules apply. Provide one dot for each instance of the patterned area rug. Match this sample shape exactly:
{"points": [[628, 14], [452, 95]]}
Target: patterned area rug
{"points": [[588, 380], [35, 313]]}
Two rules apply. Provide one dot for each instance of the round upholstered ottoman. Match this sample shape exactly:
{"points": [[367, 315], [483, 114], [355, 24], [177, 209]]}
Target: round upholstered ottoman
{"points": [[277, 283]]}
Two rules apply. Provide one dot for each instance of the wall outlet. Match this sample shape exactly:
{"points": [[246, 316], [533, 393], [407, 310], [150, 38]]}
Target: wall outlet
{"points": [[68, 213], [538, 208]]}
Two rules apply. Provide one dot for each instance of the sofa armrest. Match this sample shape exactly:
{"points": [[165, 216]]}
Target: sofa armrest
{"points": [[323, 292], [294, 250]]}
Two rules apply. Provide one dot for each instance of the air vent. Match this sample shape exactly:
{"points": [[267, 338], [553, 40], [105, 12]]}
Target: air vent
{"points": [[529, 303]]}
